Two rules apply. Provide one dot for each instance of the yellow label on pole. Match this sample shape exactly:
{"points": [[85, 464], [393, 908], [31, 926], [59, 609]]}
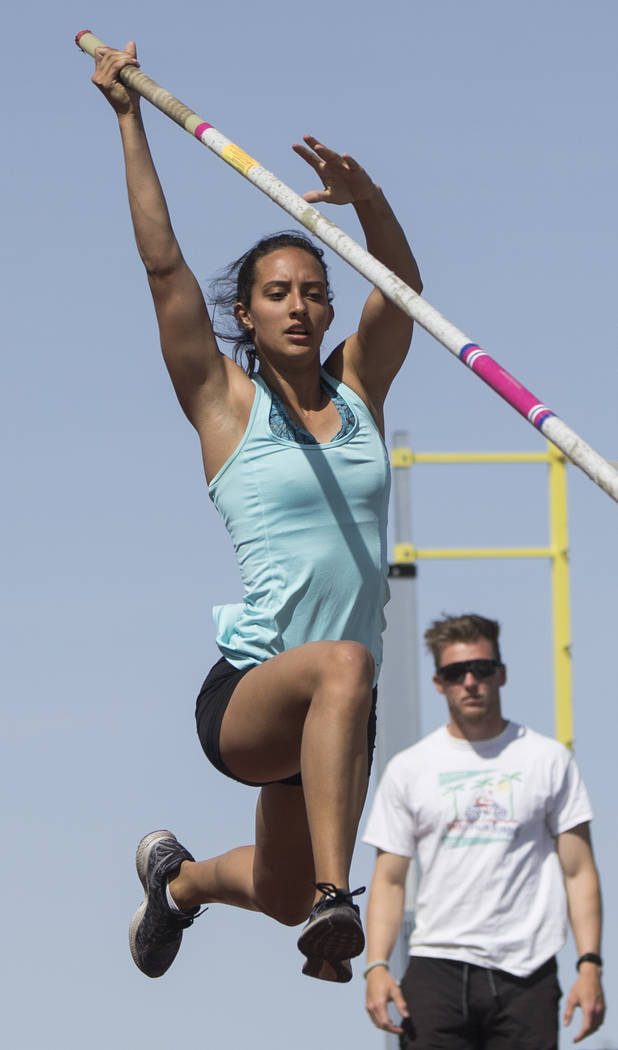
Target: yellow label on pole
{"points": [[237, 157]]}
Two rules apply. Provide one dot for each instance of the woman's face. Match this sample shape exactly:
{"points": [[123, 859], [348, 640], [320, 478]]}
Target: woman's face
{"points": [[289, 310]]}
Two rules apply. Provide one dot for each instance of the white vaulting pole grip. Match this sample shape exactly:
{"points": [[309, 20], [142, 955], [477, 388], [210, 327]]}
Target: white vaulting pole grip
{"points": [[510, 389]]}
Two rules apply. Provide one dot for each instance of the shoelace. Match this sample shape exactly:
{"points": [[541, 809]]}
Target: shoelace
{"points": [[174, 921], [333, 893]]}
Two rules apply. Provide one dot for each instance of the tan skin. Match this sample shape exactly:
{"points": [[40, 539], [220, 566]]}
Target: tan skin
{"points": [[475, 714], [306, 708], [474, 704]]}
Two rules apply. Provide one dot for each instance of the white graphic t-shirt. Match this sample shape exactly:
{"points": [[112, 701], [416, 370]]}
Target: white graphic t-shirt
{"points": [[482, 817]]}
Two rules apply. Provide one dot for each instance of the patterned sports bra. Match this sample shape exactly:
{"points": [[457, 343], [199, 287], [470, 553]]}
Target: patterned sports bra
{"points": [[283, 426]]}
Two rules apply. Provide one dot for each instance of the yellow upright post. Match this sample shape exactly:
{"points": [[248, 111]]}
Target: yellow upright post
{"points": [[406, 553], [559, 542]]}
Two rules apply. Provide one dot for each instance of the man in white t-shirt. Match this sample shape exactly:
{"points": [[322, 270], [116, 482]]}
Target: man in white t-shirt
{"points": [[498, 817]]}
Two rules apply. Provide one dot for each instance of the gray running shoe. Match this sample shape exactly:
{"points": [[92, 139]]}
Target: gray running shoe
{"points": [[155, 932], [334, 932]]}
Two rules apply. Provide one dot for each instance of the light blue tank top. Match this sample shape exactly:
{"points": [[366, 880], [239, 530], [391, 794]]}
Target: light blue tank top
{"points": [[308, 524]]}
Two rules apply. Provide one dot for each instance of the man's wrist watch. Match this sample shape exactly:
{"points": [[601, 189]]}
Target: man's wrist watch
{"points": [[589, 957]]}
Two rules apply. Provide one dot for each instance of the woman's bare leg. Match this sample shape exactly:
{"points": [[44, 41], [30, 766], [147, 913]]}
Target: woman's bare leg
{"points": [[307, 708], [275, 876]]}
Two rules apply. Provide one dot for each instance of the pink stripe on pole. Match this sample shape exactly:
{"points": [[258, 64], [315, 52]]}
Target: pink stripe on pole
{"points": [[505, 384], [201, 128]]}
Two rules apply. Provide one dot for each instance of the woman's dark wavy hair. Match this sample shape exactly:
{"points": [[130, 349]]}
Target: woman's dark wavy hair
{"points": [[235, 284]]}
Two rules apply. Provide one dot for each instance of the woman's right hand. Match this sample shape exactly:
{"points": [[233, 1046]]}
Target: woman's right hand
{"points": [[108, 65]]}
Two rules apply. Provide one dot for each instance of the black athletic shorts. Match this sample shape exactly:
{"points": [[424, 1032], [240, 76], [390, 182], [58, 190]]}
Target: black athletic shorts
{"points": [[211, 706], [458, 1006]]}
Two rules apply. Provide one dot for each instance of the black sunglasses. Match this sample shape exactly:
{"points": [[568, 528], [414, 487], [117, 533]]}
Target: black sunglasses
{"points": [[457, 672]]}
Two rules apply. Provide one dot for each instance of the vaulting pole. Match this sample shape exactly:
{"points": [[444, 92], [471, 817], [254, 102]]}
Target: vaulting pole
{"points": [[484, 366]]}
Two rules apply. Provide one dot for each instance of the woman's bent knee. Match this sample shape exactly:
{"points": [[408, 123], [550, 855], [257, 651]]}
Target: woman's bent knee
{"points": [[349, 664]]}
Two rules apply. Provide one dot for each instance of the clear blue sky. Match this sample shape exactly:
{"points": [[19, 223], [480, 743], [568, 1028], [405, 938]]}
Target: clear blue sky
{"points": [[492, 129]]}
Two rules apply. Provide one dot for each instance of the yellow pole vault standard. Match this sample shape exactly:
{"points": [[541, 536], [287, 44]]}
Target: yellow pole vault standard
{"points": [[559, 539], [458, 344], [557, 552]]}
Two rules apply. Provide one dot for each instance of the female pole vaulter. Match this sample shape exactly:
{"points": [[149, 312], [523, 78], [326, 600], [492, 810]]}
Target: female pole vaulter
{"points": [[295, 463]]}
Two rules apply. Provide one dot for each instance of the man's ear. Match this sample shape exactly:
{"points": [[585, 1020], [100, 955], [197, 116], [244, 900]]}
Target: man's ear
{"points": [[438, 684], [331, 314], [502, 675]]}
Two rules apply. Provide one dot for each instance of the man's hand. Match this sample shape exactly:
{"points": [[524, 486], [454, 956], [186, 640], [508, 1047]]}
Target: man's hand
{"points": [[586, 993], [382, 989]]}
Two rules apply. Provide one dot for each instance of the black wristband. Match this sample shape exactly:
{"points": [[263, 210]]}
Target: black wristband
{"points": [[589, 957]]}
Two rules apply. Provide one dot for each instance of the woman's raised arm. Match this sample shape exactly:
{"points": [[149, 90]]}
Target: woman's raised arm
{"points": [[196, 366], [374, 354]]}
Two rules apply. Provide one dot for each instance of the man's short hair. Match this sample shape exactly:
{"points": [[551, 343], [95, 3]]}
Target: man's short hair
{"points": [[468, 627]]}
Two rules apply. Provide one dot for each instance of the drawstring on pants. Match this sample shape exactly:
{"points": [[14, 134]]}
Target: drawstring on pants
{"points": [[465, 977], [492, 986], [465, 989]]}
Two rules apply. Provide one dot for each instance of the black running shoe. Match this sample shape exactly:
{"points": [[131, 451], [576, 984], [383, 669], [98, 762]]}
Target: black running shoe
{"points": [[155, 932], [340, 972], [334, 931]]}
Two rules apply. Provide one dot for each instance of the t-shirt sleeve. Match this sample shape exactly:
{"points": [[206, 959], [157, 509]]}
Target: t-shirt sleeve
{"points": [[568, 804], [391, 826]]}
